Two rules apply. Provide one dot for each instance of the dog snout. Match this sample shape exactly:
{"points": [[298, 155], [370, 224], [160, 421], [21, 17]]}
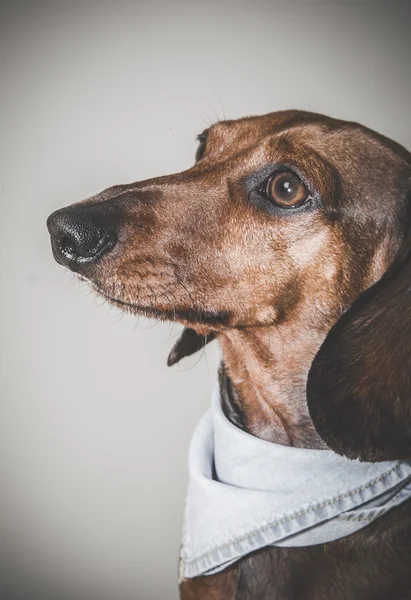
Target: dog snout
{"points": [[80, 235]]}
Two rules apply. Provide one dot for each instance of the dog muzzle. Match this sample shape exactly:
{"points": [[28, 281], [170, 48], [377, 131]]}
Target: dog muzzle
{"points": [[245, 493]]}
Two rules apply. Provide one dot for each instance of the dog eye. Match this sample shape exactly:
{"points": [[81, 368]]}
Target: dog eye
{"points": [[202, 139], [286, 190]]}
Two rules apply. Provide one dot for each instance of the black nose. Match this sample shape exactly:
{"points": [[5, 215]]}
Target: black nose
{"points": [[80, 235]]}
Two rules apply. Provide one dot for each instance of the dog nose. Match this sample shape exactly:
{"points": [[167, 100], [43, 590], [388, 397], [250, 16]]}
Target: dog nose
{"points": [[79, 235]]}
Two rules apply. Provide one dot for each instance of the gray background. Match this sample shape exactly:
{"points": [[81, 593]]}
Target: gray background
{"points": [[94, 428]]}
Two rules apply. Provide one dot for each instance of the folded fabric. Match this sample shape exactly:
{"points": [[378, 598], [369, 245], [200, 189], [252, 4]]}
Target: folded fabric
{"points": [[245, 493]]}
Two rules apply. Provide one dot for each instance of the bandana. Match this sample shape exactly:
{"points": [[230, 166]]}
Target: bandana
{"points": [[245, 493]]}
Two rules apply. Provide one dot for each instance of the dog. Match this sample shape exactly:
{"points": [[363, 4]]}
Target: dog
{"points": [[289, 242]]}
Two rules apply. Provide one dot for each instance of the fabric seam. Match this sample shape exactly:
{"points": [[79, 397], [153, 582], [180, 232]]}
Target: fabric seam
{"points": [[261, 529]]}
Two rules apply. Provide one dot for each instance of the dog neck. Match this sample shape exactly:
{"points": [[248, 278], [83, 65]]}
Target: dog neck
{"points": [[263, 382]]}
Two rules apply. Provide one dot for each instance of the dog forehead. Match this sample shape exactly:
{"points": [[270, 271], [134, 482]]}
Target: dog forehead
{"points": [[296, 127], [263, 126], [349, 147]]}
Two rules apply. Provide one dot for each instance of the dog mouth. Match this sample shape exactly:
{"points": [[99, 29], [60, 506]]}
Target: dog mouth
{"points": [[189, 315]]}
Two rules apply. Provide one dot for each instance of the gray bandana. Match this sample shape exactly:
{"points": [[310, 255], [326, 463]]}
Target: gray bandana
{"points": [[245, 493]]}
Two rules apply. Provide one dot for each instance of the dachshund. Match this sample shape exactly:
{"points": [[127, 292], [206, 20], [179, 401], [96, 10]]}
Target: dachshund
{"points": [[288, 241]]}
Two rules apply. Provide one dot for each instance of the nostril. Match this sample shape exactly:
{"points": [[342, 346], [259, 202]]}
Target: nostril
{"points": [[67, 247], [94, 250], [79, 236]]}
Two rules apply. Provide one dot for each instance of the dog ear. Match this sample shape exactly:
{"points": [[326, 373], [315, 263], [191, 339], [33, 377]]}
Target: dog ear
{"points": [[188, 343], [359, 384]]}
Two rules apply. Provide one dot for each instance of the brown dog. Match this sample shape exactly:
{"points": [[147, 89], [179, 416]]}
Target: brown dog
{"points": [[278, 229]]}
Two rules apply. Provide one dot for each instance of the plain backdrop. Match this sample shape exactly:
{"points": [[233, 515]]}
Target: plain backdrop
{"points": [[94, 428]]}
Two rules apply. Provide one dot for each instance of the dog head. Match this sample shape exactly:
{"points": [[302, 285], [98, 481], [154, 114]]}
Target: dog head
{"points": [[282, 215]]}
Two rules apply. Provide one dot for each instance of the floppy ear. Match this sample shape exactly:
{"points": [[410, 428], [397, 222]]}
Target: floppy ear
{"points": [[188, 343], [359, 385]]}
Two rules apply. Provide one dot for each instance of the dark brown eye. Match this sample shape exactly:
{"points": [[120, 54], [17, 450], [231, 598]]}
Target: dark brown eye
{"points": [[286, 190], [202, 139]]}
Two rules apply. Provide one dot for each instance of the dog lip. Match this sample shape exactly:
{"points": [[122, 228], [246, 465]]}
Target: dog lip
{"points": [[189, 315]]}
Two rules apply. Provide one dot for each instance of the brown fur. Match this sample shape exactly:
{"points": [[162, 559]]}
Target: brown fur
{"points": [[204, 248]]}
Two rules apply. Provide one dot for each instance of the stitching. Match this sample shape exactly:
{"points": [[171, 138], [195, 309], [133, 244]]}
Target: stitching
{"points": [[292, 516]]}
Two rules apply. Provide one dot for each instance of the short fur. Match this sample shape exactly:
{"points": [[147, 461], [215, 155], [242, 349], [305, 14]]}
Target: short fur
{"points": [[311, 307]]}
